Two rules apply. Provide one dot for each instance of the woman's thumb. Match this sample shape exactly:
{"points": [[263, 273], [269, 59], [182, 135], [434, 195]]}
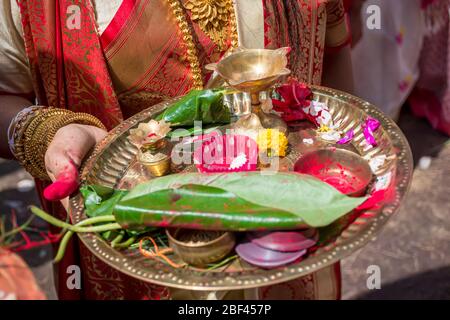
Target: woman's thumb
{"points": [[65, 184]]}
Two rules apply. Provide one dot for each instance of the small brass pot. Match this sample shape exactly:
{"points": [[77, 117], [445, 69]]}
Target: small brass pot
{"points": [[161, 166], [200, 253]]}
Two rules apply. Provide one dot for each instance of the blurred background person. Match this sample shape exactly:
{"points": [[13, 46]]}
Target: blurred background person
{"points": [[431, 97], [406, 60], [385, 53]]}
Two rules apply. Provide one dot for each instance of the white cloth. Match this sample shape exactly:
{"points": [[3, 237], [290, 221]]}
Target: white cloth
{"points": [[15, 75], [385, 61]]}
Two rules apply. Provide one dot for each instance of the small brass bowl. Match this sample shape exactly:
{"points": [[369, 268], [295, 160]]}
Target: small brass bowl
{"points": [[161, 166], [345, 170], [200, 253]]}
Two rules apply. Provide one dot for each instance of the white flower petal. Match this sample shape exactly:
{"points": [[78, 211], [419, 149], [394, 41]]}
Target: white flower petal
{"points": [[383, 182], [317, 107], [239, 161], [325, 119], [334, 136], [376, 162], [307, 110], [252, 134]]}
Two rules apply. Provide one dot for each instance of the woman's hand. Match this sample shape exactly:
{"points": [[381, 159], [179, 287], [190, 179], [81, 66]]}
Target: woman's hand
{"points": [[65, 155]]}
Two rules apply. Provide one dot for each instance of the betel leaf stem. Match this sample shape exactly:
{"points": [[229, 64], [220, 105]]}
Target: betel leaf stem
{"points": [[117, 239], [76, 228], [65, 239], [79, 227], [125, 244]]}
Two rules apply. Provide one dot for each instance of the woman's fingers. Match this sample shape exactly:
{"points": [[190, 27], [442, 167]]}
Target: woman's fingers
{"points": [[65, 155]]}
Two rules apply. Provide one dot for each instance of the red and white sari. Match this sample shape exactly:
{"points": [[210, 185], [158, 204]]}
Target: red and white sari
{"points": [[138, 61]]}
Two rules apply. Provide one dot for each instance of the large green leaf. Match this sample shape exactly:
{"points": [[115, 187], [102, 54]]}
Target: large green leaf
{"points": [[201, 207], [312, 201], [198, 105]]}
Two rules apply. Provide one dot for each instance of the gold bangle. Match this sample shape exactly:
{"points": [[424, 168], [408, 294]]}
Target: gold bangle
{"points": [[36, 142], [32, 160], [19, 130], [59, 122], [39, 133]]}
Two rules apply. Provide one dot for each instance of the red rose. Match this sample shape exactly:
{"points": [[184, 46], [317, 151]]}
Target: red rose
{"points": [[295, 96]]}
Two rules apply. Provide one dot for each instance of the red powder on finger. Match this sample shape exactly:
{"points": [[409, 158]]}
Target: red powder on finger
{"points": [[65, 184]]}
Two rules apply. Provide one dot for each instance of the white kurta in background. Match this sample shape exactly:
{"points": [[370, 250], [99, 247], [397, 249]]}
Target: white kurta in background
{"points": [[385, 61]]}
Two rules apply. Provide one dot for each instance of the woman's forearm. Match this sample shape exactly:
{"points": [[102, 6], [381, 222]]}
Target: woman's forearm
{"points": [[10, 105]]}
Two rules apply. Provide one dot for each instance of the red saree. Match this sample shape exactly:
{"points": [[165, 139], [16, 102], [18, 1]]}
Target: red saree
{"points": [[140, 60]]}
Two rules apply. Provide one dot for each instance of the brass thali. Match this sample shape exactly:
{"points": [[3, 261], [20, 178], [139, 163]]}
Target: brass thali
{"points": [[113, 163]]}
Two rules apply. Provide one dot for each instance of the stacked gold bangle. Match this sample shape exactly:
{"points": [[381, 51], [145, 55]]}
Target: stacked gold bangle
{"points": [[34, 134]]}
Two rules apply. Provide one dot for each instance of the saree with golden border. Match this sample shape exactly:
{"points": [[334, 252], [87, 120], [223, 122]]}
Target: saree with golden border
{"points": [[140, 60]]}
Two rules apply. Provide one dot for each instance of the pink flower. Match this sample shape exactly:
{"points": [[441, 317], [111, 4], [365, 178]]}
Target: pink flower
{"points": [[369, 127], [227, 153], [348, 137]]}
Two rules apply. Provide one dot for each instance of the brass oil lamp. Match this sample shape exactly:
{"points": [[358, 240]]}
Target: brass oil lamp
{"points": [[254, 71]]}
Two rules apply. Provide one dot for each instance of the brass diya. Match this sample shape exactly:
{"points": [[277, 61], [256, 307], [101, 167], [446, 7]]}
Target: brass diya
{"points": [[156, 157], [254, 71], [343, 169], [200, 248]]}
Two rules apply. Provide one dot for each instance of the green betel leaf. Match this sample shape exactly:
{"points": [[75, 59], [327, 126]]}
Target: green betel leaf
{"points": [[313, 201], [201, 207], [198, 105], [99, 200]]}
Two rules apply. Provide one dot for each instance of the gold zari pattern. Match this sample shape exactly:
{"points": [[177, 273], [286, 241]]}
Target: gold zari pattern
{"points": [[213, 18], [209, 19]]}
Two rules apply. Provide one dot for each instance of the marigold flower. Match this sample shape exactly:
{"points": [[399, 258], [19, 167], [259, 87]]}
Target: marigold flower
{"points": [[273, 142]]}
